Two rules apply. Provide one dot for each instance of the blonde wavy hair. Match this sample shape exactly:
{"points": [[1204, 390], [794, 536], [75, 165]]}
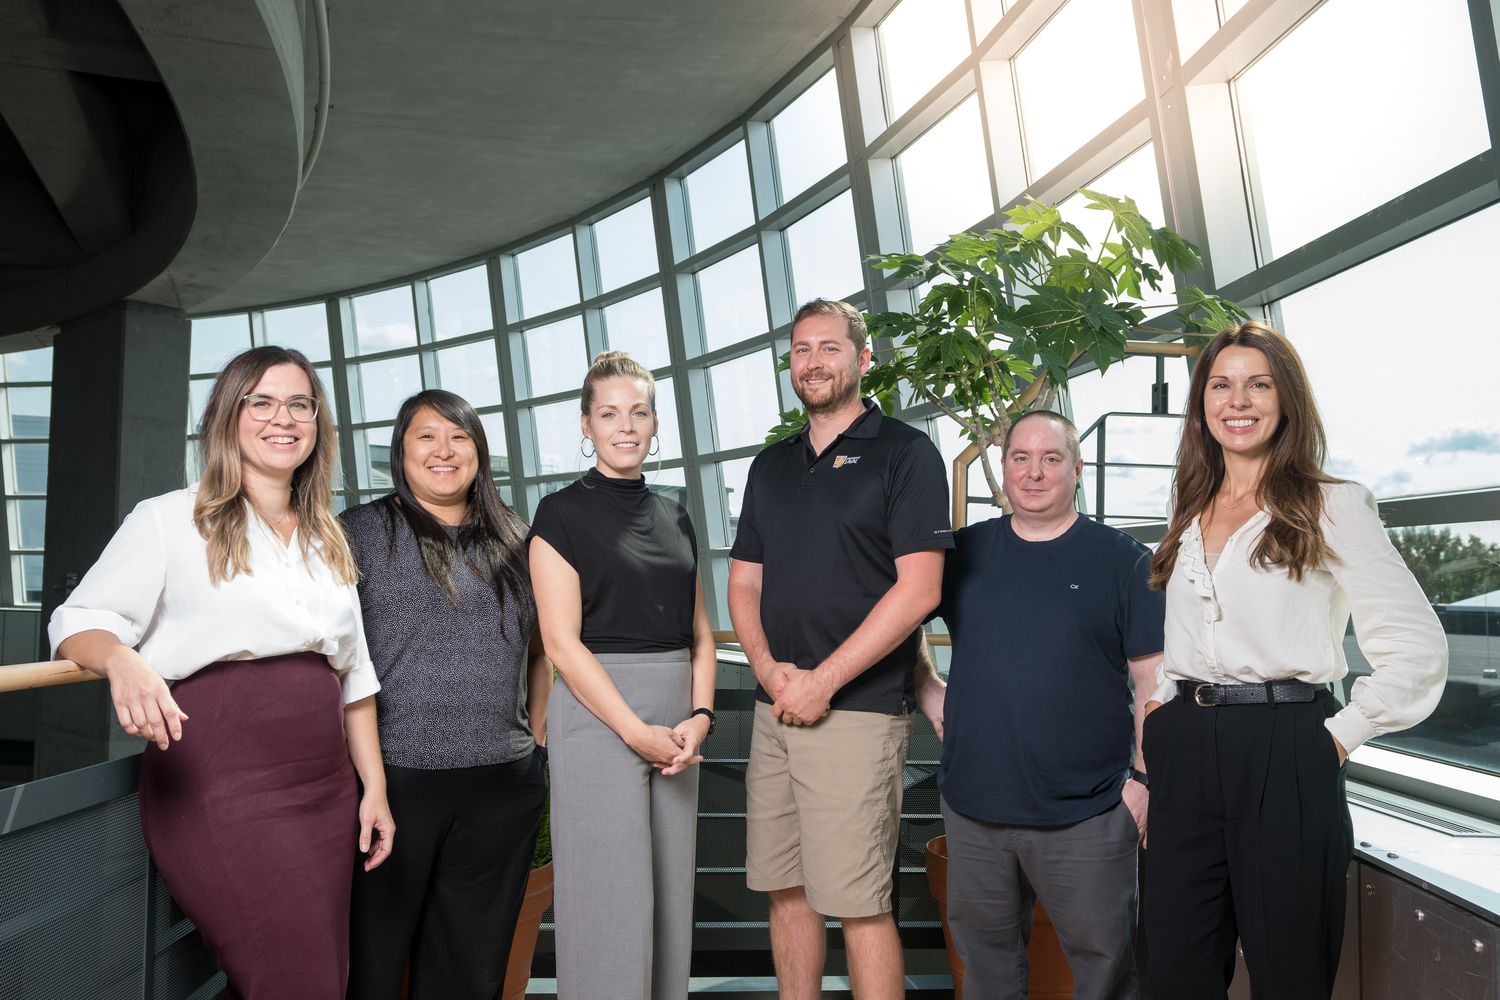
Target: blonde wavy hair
{"points": [[221, 510]]}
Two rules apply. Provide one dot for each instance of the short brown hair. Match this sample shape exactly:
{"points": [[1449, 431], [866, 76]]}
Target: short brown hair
{"points": [[1068, 428], [854, 321]]}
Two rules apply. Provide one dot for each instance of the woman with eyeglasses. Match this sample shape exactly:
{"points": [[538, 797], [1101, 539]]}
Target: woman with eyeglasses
{"points": [[462, 705], [226, 620]]}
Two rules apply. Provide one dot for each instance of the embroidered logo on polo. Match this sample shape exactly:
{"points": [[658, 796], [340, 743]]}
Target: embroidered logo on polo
{"points": [[839, 461]]}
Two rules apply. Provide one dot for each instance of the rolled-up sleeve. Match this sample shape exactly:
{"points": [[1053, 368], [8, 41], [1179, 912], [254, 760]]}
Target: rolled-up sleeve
{"points": [[1393, 621], [356, 670], [120, 594]]}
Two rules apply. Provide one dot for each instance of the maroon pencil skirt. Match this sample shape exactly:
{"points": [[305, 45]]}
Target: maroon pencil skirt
{"points": [[252, 820]]}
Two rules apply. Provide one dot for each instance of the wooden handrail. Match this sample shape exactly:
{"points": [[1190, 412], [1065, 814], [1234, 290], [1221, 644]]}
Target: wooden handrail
{"points": [[53, 673]]}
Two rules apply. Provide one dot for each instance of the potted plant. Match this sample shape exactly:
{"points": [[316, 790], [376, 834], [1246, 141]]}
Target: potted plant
{"points": [[1005, 315], [1009, 311]]}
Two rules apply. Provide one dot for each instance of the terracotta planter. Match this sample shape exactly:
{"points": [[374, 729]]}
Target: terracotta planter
{"points": [[1051, 979], [523, 945]]}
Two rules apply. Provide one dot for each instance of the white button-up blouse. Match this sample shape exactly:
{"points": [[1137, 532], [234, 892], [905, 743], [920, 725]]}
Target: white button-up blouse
{"points": [[1242, 624], [150, 587]]}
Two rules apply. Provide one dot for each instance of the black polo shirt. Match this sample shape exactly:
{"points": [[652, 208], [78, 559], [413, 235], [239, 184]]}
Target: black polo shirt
{"points": [[827, 530]]}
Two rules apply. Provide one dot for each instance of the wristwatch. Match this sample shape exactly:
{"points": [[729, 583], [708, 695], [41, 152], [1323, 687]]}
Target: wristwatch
{"points": [[1140, 778], [708, 712]]}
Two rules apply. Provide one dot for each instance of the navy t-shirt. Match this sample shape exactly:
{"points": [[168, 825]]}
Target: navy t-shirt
{"points": [[1038, 721]]}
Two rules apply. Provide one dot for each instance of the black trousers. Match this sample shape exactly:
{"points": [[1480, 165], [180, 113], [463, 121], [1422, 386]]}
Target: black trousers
{"points": [[1249, 838], [449, 894]]}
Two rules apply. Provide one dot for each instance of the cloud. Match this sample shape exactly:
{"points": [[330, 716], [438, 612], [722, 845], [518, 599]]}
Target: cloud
{"points": [[1481, 439]]}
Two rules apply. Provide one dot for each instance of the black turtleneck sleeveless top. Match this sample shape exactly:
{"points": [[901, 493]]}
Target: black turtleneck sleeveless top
{"points": [[636, 557]]}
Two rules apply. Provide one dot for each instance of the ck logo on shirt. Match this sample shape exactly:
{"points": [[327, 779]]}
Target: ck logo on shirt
{"points": [[839, 461]]}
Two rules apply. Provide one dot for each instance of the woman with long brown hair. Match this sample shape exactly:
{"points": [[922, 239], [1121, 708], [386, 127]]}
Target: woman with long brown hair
{"points": [[451, 625], [1265, 559], [225, 618]]}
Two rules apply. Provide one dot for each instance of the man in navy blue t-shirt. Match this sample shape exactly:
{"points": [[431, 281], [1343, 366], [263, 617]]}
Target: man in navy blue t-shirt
{"points": [[1052, 621]]}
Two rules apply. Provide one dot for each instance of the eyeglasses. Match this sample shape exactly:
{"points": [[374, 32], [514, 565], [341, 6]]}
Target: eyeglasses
{"points": [[303, 409]]}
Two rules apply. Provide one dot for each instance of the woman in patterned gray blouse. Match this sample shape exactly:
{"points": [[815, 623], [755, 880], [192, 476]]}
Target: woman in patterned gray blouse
{"points": [[450, 622]]}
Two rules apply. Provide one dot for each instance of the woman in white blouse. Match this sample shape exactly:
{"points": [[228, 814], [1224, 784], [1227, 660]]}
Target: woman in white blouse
{"points": [[225, 618], [1264, 561]]}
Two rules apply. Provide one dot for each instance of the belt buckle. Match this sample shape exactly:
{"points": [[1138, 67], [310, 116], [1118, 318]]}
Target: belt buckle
{"points": [[1198, 696]]}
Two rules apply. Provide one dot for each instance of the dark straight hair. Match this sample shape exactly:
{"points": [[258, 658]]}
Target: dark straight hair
{"points": [[492, 538]]}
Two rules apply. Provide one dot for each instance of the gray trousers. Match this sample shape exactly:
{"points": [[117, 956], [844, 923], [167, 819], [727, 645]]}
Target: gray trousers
{"points": [[1084, 874], [623, 841]]}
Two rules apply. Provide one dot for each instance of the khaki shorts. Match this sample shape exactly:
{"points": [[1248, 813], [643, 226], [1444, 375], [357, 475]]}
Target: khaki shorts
{"points": [[824, 808]]}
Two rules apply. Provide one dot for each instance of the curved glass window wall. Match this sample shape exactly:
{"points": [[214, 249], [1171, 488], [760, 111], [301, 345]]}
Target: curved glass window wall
{"points": [[1331, 196]]}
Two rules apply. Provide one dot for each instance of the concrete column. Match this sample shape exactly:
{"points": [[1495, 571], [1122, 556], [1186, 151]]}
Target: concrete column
{"points": [[119, 418]]}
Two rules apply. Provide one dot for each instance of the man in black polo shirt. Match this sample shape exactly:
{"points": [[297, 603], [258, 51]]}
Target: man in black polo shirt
{"points": [[837, 561], [1052, 621]]}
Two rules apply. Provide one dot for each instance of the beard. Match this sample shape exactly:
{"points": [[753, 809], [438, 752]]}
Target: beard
{"points": [[841, 390]]}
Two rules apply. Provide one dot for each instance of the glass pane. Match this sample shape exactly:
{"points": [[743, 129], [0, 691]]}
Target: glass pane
{"points": [[556, 356], [1196, 20], [1326, 95], [494, 436], [718, 195], [732, 476], [28, 524], [1080, 73], [30, 411], [745, 407], [824, 252], [669, 436], [638, 326], [1125, 388], [1130, 495], [626, 245], [384, 320], [372, 458], [461, 303], [302, 328], [377, 388], [472, 371], [732, 299], [198, 393], [29, 366], [1458, 567], [945, 185], [548, 276], [557, 438], [1380, 430], [920, 41], [192, 470], [216, 341], [809, 137], [26, 468], [26, 575]]}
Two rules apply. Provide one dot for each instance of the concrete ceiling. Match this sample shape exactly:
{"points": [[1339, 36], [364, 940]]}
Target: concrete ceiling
{"points": [[458, 127]]}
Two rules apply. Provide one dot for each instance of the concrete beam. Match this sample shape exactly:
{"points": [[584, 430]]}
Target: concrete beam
{"points": [[73, 138], [235, 73]]}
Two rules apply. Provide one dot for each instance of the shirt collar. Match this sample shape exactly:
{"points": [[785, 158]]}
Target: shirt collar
{"points": [[866, 425]]}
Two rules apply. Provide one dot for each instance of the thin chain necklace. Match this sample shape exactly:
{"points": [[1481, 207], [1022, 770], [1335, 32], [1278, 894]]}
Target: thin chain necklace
{"points": [[1237, 506], [274, 522]]}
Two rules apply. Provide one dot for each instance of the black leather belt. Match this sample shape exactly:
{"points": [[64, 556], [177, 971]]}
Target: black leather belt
{"points": [[1269, 693]]}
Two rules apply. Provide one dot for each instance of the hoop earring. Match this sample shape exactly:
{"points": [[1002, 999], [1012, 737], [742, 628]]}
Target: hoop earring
{"points": [[655, 444], [586, 454]]}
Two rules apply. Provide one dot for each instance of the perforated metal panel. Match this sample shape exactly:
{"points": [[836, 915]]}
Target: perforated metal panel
{"points": [[75, 911]]}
